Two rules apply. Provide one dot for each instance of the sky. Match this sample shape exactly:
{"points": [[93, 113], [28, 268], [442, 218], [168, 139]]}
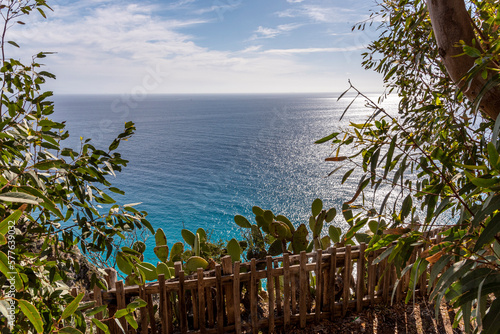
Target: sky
{"points": [[200, 46]]}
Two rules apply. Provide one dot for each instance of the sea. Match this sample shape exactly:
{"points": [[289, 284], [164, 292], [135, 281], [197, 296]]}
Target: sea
{"points": [[199, 160]]}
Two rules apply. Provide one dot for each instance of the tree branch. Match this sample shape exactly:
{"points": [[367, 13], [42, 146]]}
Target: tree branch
{"points": [[451, 24]]}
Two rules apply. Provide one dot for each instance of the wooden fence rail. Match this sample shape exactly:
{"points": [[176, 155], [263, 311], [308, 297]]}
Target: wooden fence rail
{"points": [[261, 294]]}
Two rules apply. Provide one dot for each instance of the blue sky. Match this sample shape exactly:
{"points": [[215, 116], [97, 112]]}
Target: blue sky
{"points": [[201, 46]]}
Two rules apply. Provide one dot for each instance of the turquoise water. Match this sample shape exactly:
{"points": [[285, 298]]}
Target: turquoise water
{"points": [[196, 161]]}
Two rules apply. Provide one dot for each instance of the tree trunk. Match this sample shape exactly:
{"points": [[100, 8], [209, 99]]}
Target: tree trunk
{"points": [[451, 23]]}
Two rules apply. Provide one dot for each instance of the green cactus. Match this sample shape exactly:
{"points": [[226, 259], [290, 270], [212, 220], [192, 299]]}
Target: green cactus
{"points": [[195, 262], [161, 252], [242, 221], [188, 237], [147, 271], [234, 250], [139, 246], [299, 240], [334, 233], [160, 238], [196, 245], [176, 252], [162, 268]]}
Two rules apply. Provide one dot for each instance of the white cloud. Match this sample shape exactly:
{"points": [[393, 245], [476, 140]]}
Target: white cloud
{"points": [[263, 32], [322, 14], [313, 50], [113, 47], [294, 1]]}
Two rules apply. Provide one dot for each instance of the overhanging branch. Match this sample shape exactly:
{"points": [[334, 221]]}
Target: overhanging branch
{"points": [[451, 24]]}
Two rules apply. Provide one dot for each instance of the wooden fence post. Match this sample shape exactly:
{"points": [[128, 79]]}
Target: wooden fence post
{"points": [[347, 279], [227, 268], [201, 301], [163, 303], [270, 293], [371, 279], [121, 304], [303, 289], [98, 302], [253, 297], [111, 278], [219, 299], [333, 278], [143, 310], [277, 289], [286, 289], [319, 284], [360, 286], [182, 304], [237, 297]]}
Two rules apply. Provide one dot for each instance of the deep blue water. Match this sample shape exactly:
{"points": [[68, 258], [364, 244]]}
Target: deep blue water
{"points": [[196, 161]]}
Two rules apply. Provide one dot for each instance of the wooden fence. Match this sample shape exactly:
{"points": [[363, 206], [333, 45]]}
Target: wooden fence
{"points": [[261, 294]]}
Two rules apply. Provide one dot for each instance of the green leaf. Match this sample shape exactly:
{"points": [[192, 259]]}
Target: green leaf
{"points": [[69, 330], [148, 270], [137, 303], [382, 256], [71, 308], [488, 233], [16, 197], [48, 164], [347, 212], [123, 263], [355, 229], [46, 202], [242, 221], [121, 313], [12, 218], [96, 310], [485, 183], [32, 314], [406, 207], [316, 207], [390, 153], [100, 325], [346, 175], [3, 240], [327, 138], [491, 321], [493, 156], [130, 319], [13, 43]]}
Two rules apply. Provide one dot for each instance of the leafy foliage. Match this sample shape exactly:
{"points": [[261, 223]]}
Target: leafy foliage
{"points": [[55, 202], [437, 160]]}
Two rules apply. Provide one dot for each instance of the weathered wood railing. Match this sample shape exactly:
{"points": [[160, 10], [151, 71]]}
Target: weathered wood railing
{"points": [[298, 289]]}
